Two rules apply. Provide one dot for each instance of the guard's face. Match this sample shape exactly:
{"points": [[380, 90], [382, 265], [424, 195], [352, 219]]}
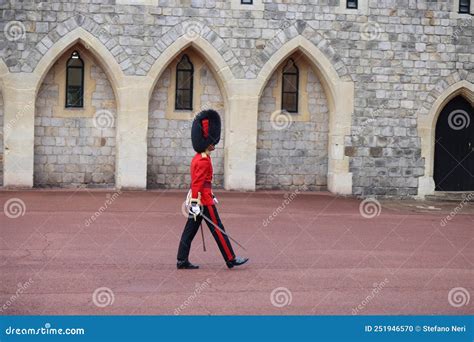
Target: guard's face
{"points": [[211, 148]]}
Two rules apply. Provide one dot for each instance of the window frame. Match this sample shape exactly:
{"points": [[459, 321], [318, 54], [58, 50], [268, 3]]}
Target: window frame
{"points": [[82, 67], [468, 7], [191, 89], [283, 92], [356, 4]]}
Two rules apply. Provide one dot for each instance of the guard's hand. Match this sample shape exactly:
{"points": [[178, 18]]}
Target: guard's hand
{"points": [[195, 210], [214, 199]]}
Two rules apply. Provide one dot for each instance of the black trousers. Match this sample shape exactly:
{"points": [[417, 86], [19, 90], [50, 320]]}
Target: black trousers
{"points": [[191, 228]]}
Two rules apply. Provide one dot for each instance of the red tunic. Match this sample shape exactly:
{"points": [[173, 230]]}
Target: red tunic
{"points": [[201, 178]]}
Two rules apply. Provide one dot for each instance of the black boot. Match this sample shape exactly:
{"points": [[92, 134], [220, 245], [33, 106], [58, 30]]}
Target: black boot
{"points": [[237, 262], [186, 265]]}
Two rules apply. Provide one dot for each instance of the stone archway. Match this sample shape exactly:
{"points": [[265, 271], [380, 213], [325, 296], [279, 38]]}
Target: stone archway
{"points": [[169, 148], [292, 148], [19, 137], [340, 97], [220, 78], [92, 44], [427, 130], [75, 147]]}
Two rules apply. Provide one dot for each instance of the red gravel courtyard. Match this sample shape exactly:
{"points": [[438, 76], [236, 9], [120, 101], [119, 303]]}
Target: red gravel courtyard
{"points": [[66, 252]]}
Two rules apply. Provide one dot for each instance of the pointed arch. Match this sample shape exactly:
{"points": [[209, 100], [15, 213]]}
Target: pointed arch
{"points": [[427, 130], [340, 96], [201, 52], [322, 65], [222, 71], [303, 29], [197, 33], [98, 50]]}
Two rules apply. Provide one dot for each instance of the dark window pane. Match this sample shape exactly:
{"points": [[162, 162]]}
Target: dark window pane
{"points": [[184, 99], [74, 76], [184, 84], [185, 64], [290, 83], [464, 6], [289, 89], [290, 68], [246, 2], [184, 80], [74, 96], [290, 102], [75, 62], [75, 81], [351, 4]]}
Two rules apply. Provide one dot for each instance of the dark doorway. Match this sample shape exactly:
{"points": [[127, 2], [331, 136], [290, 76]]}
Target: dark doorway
{"points": [[454, 147]]}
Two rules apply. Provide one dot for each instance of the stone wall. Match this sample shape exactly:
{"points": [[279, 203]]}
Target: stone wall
{"points": [[293, 154], [2, 125], [74, 151], [169, 140], [400, 54]]}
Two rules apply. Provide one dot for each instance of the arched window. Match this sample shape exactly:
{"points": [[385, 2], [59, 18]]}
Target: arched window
{"points": [[75, 81], [289, 89], [464, 6], [184, 84]]}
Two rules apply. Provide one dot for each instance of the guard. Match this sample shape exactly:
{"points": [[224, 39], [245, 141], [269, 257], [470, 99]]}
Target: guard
{"points": [[205, 134]]}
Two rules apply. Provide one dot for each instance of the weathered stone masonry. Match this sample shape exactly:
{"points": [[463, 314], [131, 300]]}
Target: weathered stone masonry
{"points": [[169, 144], [74, 151], [400, 56], [294, 154]]}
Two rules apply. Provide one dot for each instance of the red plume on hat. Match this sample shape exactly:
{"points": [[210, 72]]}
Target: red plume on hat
{"points": [[206, 130]]}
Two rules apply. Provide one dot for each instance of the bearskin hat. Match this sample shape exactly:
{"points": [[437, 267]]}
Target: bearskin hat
{"points": [[206, 130]]}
